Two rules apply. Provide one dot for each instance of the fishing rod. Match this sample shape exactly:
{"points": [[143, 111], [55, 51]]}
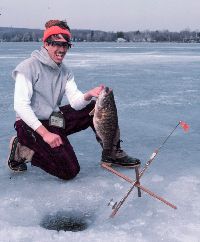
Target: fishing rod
{"points": [[116, 206], [154, 154], [184, 125]]}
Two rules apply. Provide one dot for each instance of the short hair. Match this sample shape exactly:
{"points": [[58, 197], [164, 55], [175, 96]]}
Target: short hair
{"points": [[61, 23]]}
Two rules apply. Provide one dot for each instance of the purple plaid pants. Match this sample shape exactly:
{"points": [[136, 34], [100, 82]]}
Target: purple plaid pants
{"points": [[60, 161]]}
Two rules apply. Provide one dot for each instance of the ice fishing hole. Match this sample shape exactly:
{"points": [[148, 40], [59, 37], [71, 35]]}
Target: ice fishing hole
{"points": [[67, 221]]}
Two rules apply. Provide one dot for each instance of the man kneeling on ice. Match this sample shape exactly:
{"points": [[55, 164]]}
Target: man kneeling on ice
{"points": [[43, 125]]}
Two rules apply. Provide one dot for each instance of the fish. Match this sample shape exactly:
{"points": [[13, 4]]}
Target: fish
{"points": [[105, 122]]}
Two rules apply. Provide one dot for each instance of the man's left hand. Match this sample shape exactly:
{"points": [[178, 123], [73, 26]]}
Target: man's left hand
{"points": [[93, 92]]}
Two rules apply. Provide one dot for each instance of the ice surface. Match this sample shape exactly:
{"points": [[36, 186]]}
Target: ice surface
{"points": [[155, 86]]}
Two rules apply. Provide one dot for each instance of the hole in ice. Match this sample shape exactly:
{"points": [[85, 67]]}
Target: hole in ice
{"points": [[67, 221]]}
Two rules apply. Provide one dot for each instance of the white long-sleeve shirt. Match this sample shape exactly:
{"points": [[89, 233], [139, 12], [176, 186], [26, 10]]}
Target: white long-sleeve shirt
{"points": [[24, 91]]}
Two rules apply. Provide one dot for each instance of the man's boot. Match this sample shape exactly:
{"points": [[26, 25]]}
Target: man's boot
{"points": [[121, 158], [19, 155]]}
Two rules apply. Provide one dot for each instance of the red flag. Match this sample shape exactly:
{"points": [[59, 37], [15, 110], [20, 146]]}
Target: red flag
{"points": [[185, 126]]}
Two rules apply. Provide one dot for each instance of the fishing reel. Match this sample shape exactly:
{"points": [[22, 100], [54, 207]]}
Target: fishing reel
{"points": [[112, 204]]}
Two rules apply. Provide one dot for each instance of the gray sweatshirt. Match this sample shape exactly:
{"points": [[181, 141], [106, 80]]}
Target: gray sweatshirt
{"points": [[48, 82]]}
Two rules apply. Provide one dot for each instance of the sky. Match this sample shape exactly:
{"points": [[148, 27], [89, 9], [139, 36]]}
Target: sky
{"points": [[107, 15]]}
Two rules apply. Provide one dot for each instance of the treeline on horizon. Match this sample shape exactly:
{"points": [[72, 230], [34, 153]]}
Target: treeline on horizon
{"points": [[10, 34]]}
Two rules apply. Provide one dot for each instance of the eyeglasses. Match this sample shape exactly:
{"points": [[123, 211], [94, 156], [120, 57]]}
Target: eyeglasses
{"points": [[60, 43]]}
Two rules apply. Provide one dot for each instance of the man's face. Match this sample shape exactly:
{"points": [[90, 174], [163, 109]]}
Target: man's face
{"points": [[57, 50]]}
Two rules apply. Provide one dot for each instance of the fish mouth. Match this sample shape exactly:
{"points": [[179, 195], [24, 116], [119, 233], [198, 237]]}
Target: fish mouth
{"points": [[107, 89]]}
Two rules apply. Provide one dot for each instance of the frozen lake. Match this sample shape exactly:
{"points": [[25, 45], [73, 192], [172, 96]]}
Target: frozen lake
{"points": [[155, 85]]}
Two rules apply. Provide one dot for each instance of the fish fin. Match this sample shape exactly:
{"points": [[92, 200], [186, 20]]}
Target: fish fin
{"points": [[92, 112], [99, 115]]}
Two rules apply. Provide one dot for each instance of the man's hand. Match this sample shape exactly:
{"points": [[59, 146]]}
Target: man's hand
{"points": [[93, 92], [54, 140]]}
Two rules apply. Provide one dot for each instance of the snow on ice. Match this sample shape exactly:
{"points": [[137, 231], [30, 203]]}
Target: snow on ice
{"points": [[155, 86]]}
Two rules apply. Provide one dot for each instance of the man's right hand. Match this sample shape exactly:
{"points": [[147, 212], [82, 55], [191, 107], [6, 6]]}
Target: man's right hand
{"points": [[54, 140]]}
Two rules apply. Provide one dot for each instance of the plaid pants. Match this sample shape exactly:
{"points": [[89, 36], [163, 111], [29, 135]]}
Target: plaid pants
{"points": [[59, 161]]}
